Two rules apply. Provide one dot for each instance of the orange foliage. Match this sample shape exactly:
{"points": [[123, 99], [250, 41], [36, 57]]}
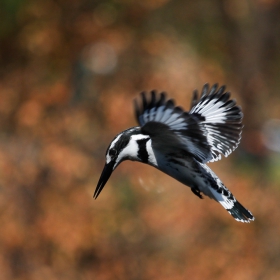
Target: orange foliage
{"points": [[60, 106]]}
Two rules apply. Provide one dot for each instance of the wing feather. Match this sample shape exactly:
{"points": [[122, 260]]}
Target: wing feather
{"points": [[222, 119], [211, 128], [171, 128]]}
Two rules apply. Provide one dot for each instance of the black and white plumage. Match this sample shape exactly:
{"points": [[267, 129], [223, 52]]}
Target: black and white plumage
{"points": [[180, 143]]}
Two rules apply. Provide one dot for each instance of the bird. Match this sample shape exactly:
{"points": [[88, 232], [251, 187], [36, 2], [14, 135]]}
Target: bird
{"points": [[180, 143]]}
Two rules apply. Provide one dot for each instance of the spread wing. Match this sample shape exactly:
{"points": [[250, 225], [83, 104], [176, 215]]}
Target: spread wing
{"points": [[172, 130], [221, 118], [211, 128]]}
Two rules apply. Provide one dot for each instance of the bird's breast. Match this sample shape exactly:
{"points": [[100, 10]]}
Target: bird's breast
{"points": [[181, 170]]}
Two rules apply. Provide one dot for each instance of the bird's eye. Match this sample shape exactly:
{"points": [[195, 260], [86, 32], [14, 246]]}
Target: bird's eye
{"points": [[112, 153]]}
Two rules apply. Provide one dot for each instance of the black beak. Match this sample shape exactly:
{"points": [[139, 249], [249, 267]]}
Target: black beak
{"points": [[106, 173]]}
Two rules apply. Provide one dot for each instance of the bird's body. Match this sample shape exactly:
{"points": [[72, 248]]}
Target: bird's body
{"points": [[180, 143]]}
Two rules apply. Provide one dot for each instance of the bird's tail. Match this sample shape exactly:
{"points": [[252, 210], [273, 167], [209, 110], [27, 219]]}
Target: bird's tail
{"points": [[221, 194], [229, 202]]}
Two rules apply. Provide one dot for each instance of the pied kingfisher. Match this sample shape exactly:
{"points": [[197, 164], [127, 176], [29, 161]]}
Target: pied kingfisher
{"points": [[180, 143]]}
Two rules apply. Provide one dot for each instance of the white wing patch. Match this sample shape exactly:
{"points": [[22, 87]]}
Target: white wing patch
{"points": [[159, 113], [213, 112]]}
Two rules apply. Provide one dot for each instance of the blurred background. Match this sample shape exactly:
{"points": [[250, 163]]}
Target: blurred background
{"points": [[69, 70]]}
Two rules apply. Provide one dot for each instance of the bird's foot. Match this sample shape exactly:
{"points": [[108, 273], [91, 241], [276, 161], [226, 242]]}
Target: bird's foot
{"points": [[196, 191]]}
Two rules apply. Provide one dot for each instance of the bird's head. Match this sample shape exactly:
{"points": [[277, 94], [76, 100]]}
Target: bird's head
{"points": [[124, 146]]}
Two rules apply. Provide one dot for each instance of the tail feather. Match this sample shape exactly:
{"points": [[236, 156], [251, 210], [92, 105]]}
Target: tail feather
{"points": [[229, 202], [221, 194], [239, 213]]}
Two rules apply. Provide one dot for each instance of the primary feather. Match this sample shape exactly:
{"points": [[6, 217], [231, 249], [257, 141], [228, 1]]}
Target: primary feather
{"points": [[212, 127]]}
